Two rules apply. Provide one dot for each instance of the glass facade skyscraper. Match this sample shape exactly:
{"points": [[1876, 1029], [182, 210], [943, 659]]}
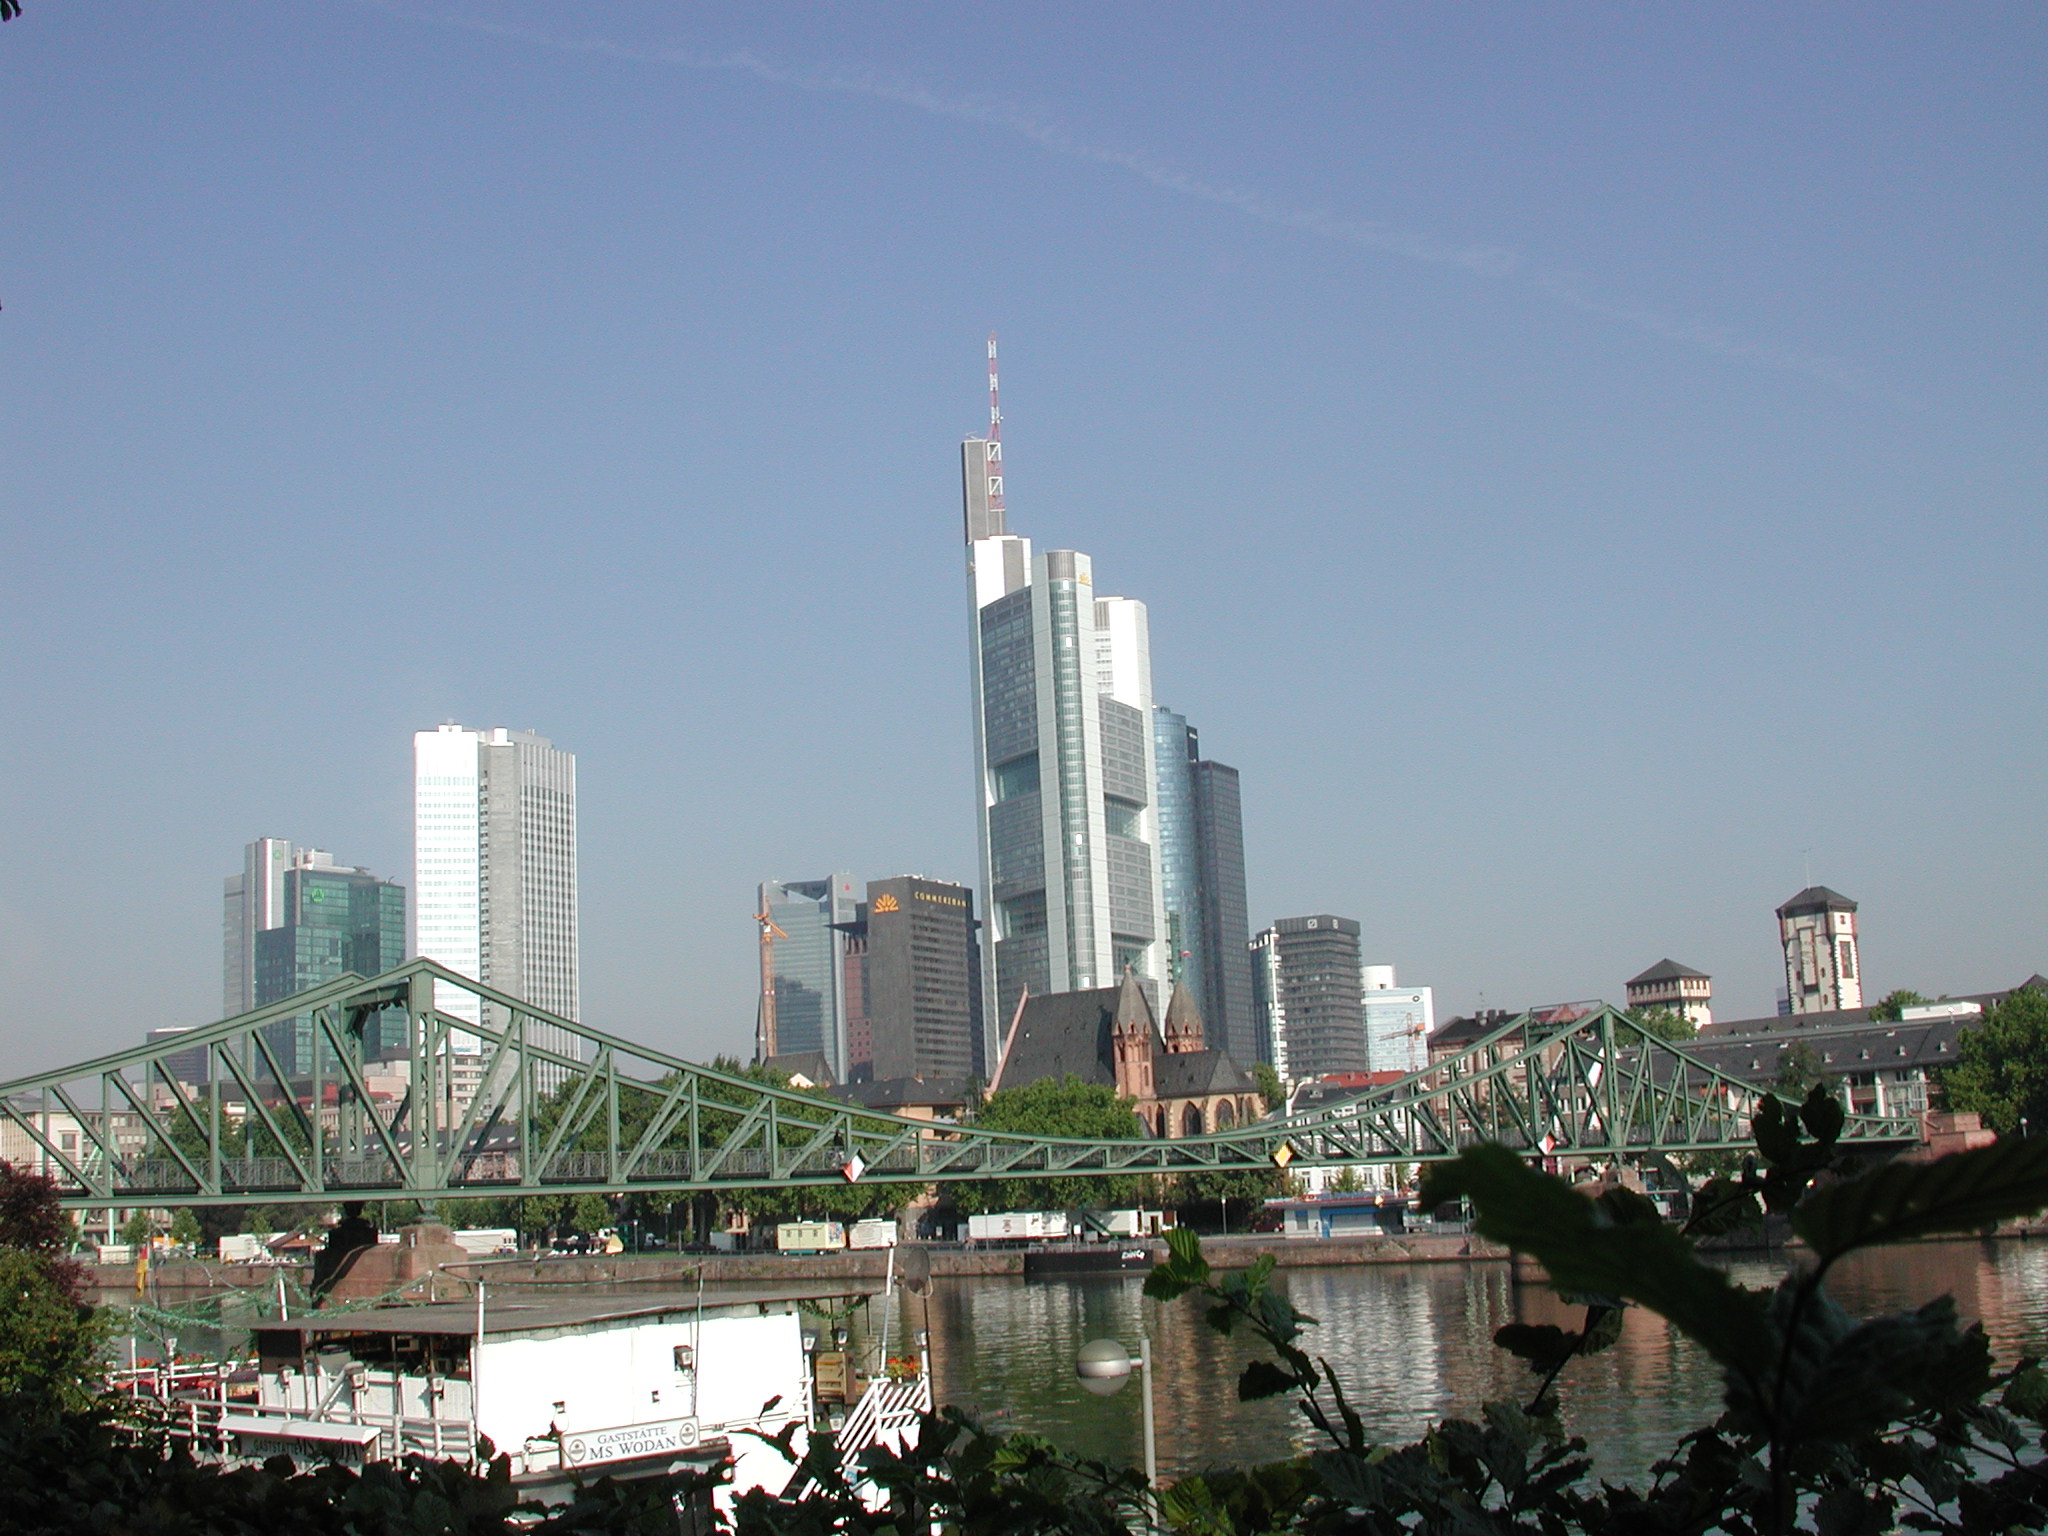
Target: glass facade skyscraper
{"points": [[1225, 911], [494, 872], [295, 919], [1067, 800], [1201, 859], [810, 965], [334, 921]]}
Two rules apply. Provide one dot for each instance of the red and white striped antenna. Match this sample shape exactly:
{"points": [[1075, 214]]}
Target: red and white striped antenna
{"points": [[995, 440]]}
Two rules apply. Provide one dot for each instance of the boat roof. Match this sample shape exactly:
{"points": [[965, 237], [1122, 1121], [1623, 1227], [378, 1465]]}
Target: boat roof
{"points": [[518, 1314]]}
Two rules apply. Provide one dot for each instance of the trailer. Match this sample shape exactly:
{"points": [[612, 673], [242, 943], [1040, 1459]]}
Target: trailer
{"points": [[1019, 1227], [876, 1232], [810, 1236]]}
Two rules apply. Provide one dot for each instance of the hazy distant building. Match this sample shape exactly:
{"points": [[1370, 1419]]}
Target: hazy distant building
{"points": [[1823, 972], [1067, 791], [294, 920], [1398, 1022], [919, 982], [810, 965], [1309, 988], [186, 1067], [494, 871], [1679, 988]]}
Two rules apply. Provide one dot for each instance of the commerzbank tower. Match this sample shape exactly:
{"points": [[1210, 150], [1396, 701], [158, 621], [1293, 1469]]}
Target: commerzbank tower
{"points": [[1069, 811]]}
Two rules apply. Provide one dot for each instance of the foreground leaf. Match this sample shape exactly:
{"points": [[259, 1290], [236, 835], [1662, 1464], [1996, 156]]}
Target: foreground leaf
{"points": [[1651, 1265], [1902, 1201]]}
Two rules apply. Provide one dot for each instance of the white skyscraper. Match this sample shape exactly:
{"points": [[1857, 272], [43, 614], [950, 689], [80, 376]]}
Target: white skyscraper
{"points": [[494, 866], [1068, 789]]}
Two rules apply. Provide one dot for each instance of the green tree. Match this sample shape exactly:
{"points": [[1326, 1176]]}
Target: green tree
{"points": [[50, 1345], [1799, 1068], [136, 1229], [1271, 1089], [1892, 1006], [185, 1229], [1056, 1106], [1664, 1023], [2001, 1068]]}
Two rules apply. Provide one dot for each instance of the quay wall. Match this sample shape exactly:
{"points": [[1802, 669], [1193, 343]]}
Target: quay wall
{"points": [[191, 1279]]}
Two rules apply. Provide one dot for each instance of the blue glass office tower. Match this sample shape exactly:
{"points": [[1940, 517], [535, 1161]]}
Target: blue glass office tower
{"points": [[1067, 794], [1201, 860]]}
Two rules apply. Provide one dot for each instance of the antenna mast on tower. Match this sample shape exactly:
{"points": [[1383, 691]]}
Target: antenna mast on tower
{"points": [[995, 441]]}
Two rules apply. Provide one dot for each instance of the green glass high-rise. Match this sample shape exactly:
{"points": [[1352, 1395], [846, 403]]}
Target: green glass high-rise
{"points": [[331, 920]]}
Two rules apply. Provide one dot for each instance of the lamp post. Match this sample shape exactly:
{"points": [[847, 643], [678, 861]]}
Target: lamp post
{"points": [[1104, 1365]]}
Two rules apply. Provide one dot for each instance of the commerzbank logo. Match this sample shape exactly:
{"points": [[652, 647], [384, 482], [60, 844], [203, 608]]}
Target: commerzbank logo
{"points": [[886, 902]]}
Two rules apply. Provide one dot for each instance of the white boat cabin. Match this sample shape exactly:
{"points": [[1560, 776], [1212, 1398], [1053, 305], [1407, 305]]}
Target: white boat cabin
{"points": [[566, 1387]]}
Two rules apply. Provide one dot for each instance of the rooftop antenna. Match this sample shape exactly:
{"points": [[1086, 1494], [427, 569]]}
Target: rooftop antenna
{"points": [[995, 441]]}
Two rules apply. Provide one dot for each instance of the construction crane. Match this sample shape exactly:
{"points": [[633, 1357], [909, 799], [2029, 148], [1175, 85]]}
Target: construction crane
{"points": [[764, 1023]]}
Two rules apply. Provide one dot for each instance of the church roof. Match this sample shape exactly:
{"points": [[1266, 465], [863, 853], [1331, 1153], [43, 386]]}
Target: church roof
{"points": [[1067, 1034], [1196, 1074], [1071, 1034], [1667, 969], [1182, 1013], [1817, 898]]}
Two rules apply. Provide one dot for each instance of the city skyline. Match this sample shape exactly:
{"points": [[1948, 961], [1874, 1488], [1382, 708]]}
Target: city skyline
{"points": [[1579, 472]]}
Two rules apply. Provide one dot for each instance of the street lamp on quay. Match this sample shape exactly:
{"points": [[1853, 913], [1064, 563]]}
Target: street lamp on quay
{"points": [[1104, 1365]]}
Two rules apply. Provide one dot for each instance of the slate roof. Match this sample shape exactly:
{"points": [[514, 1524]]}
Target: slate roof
{"points": [[1667, 969], [1817, 898], [1067, 1034], [899, 1092], [809, 1065], [1196, 1074], [1181, 1012]]}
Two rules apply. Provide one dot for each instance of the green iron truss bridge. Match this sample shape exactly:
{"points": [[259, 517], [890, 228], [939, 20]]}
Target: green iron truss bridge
{"points": [[422, 1084]]}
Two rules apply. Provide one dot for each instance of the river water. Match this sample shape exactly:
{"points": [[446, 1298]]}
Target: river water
{"points": [[1411, 1343]]}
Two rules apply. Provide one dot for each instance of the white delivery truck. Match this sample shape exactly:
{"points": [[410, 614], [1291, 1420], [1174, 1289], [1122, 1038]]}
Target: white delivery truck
{"points": [[481, 1242]]}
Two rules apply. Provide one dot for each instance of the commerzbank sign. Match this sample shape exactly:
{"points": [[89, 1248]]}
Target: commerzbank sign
{"points": [[589, 1446]]}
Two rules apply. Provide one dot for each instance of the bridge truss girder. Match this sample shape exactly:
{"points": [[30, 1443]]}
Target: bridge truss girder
{"points": [[517, 1101]]}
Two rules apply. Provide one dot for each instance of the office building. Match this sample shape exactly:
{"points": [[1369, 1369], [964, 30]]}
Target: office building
{"points": [[253, 901], [809, 981], [1067, 785], [1678, 988], [1309, 990], [334, 921], [920, 981], [1823, 972], [1225, 925], [494, 872], [294, 920], [1201, 861], [1398, 1022]]}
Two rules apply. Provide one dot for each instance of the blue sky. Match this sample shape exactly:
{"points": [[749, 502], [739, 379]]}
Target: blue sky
{"points": [[1585, 463]]}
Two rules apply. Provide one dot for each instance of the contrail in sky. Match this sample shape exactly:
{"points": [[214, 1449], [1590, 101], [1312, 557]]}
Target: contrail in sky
{"points": [[1494, 261]]}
